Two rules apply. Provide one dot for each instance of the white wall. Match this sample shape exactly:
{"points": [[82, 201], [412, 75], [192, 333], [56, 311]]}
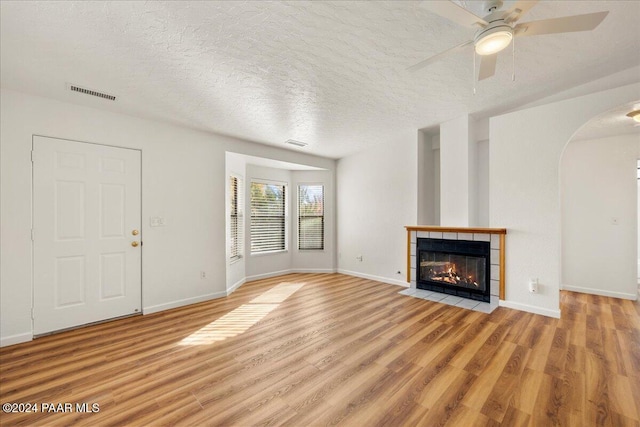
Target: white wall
{"points": [[376, 199], [183, 180], [525, 151], [426, 180], [458, 195], [479, 178], [598, 186], [482, 183], [435, 143]]}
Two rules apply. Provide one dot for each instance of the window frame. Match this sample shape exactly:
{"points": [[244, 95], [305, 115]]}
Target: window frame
{"points": [[239, 217], [285, 218], [299, 217]]}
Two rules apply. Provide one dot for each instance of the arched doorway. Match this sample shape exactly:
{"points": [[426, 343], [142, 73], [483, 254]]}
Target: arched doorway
{"points": [[599, 206]]}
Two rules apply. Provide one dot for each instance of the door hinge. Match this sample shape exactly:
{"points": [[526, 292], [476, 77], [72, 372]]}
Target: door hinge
{"points": [[32, 315], [33, 235], [32, 156]]}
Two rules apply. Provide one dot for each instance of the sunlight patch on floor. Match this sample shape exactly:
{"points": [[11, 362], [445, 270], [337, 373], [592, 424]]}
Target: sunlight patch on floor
{"points": [[242, 318]]}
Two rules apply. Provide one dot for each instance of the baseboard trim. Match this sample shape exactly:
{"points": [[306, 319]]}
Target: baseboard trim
{"points": [[601, 292], [267, 275], [313, 270], [376, 278], [530, 308], [15, 339], [182, 302], [235, 286], [289, 271]]}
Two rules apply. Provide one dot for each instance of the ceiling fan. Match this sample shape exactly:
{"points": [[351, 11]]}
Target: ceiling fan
{"points": [[497, 29]]}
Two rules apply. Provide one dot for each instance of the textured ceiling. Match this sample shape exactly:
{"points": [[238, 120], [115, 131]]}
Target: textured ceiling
{"points": [[611, 123], [332, 74]]}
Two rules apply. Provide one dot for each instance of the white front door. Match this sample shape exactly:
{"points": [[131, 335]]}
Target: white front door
{"points": [[86, 233]]}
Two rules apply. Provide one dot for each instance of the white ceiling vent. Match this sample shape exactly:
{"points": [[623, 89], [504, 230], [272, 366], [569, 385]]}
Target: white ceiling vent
{"points": [[296, 143], [75, 88]]}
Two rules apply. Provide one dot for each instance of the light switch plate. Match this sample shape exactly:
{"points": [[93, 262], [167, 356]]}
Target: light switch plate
{"points": [[156, 221]]}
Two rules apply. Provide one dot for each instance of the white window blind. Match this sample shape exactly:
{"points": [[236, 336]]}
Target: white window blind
{"points": [[268, 219], [236, 223], [310, 217]]}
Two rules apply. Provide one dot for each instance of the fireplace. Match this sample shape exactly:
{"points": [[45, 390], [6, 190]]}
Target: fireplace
{"points": [[456, 267]]}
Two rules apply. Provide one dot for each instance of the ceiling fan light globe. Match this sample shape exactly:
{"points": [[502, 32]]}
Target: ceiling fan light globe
{"points": [[493, 42], [635, 115]]}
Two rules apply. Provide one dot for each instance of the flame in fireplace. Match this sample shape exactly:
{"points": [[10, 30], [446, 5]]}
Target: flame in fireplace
{"points": [[447, 272]]}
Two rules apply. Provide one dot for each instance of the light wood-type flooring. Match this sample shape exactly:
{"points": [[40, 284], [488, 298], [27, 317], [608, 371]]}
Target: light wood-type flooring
{"points": [[325, 349]]}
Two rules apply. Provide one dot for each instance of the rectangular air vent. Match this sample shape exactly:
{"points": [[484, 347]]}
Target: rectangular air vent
{"points": [[296, 143], [75, 88]]}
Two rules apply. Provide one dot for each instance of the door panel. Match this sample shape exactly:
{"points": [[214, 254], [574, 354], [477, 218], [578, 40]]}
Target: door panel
{"points": [[69, 281], [69, 208], [86, 203], [112, 211], [112, 276]]}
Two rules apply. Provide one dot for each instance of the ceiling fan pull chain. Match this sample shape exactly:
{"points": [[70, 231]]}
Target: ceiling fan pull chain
{"points": [[473, 76], [513, 60]]}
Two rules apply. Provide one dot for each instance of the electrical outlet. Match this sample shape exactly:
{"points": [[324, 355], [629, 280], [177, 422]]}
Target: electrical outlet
{"points": [[203, 274], [533, 286], [359, 258]]}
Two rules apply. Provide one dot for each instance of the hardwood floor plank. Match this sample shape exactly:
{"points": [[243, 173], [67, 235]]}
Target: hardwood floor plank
{"points": [[471, 348], [622, 397], [515, 418], [394, 388], [463, 416], [526, 392], [597, 392], [438, 386], [551, 404], [488, 377], [446, 405], [319, 349], [540, 351], [498, 402]]}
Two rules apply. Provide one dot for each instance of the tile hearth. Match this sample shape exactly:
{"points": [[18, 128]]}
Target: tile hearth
{"points": [[484, 307]]}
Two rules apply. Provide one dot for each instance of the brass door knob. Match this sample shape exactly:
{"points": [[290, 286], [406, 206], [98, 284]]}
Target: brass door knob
{"points": [[135, 232], [134, 244]]}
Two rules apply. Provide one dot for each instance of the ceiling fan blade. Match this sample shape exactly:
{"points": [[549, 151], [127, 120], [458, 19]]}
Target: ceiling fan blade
{"points": [[519, 9], [487, 66], [437, 57], [455, 13], [567, 24]]}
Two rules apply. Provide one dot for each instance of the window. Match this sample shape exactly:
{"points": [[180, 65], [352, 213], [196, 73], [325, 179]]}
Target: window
{"points": [[310, 217], [236, 223], [268, 219]]}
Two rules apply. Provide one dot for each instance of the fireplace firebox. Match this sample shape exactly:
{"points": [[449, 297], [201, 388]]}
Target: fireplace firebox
{"points": [[455, 267]]}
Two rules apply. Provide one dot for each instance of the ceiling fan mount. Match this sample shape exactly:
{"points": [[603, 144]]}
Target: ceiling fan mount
{"points": [[496, 30], [492, 5]]}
